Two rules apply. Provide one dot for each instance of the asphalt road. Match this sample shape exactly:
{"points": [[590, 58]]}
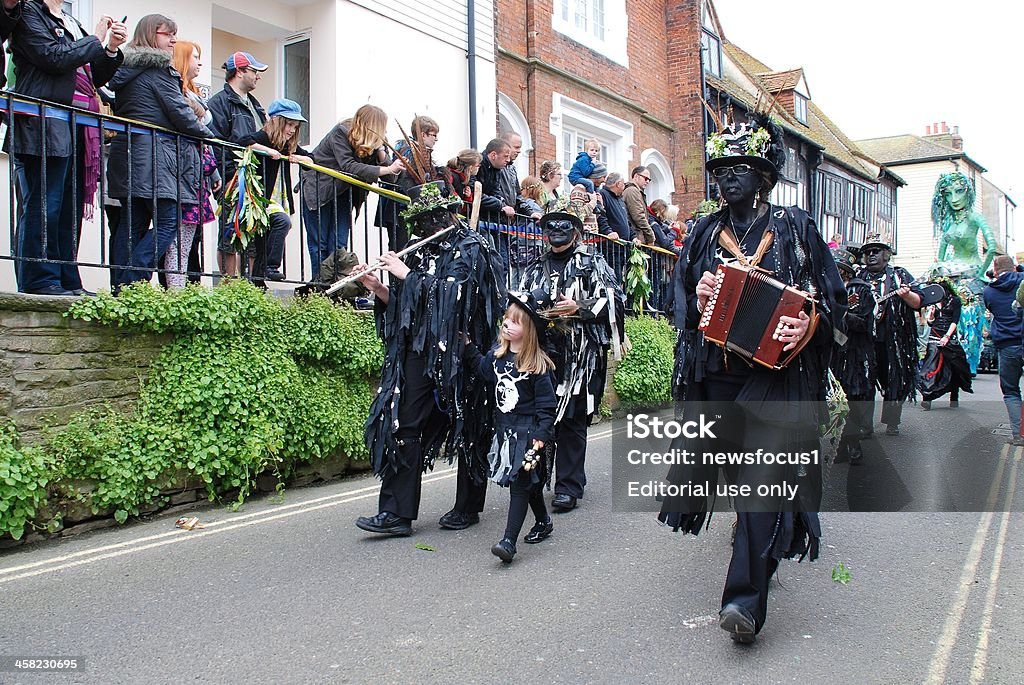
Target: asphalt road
{"points": [[294, 593]]}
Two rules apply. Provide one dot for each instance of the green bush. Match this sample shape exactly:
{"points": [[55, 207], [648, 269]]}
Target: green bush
{"points": [[644, 374], [24, 476], [249, 384]]}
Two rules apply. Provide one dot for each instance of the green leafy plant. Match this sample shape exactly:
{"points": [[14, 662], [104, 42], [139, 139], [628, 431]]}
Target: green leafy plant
{"points": [[637, 284], [841, 574], [25, 473], [644, 375]]}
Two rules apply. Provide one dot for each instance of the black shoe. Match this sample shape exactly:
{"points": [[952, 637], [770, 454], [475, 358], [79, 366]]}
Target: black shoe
{"points": [[456, 520], [539, 531], [504, 549], [856, 452], [954, 404], [274, 275], [842, 452], [926, 405], [563, 502], [892, 429], [738, 622], [82, 292], [385, 523], [51, 290]]}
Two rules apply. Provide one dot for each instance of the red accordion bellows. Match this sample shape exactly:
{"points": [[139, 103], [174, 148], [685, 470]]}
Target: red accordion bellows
{"points": [[743, 315]]}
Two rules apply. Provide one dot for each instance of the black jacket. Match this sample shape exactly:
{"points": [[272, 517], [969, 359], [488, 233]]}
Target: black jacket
{"points": [[46, 59], [232, 121], [8, 20], [149, 89], [615, 212]]}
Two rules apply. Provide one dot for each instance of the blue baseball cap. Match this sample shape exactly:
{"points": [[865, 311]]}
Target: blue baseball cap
{"points": [[243, 60], [283, 107]]}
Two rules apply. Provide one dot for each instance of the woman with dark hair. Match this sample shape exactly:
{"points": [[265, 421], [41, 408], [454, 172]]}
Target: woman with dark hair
{"points": [[551, 177], [945, 368], [461, 174], [57, 167], [162, 172], [354, 147]]}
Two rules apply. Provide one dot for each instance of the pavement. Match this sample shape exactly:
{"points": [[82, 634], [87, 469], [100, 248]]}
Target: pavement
{"points": [[292, 592]]}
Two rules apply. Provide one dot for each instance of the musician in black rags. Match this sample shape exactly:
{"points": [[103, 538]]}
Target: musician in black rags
{"points": [[427, 404], [774, 410], [586, 305], [897, 297], [853, 363]]}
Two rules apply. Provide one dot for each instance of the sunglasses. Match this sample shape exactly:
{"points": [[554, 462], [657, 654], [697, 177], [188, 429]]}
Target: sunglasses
{"points": [[737, 170], [647, 178]]}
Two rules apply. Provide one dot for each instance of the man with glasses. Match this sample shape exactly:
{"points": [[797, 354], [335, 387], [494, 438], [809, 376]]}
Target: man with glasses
{"points": [[236, 115], [895, 328], [636, 205]]}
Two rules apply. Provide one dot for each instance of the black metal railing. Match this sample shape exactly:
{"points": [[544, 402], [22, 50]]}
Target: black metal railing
{"points": [[138, 230]]}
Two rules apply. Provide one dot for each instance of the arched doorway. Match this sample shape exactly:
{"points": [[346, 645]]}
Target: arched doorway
{"points": [[511, 118]]}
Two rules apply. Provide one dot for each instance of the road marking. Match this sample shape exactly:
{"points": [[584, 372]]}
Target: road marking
{"points": [[981, 651], [944, 648], [241, 521], [170, 538]]}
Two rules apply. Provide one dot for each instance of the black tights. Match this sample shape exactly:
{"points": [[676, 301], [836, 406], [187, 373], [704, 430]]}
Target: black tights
{"points": [[523, 493]]}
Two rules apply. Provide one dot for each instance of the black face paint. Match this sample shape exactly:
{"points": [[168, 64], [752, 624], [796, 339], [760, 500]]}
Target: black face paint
{"points": [[876, 259], [560, 233], [429, 224]]}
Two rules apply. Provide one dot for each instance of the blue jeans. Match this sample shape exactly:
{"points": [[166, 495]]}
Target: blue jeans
{"points": [[135, 245], [1011, 361], [57, 228], [327, 229]]}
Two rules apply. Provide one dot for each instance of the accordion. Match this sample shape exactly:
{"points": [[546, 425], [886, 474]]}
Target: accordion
{"points": [[743, 315]]}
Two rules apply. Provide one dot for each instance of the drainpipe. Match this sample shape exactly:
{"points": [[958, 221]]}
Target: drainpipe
{"points": [[471, 55], [703, 116]]}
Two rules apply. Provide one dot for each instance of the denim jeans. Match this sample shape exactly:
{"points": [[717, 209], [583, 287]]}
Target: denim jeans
{"points": [[1011, 360], [135, 245], [57, 227], [327, 229]]}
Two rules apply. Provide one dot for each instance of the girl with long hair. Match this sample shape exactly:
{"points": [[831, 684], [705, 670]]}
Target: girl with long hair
{"points": [[520, 372], [354, 147], [278, 137], [187, 61], [462, 170]]}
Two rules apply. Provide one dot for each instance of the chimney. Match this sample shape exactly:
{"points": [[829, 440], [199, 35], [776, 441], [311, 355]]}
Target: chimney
{"points": [[945, 129], [928, 130], [935, 128], [957, 142]]}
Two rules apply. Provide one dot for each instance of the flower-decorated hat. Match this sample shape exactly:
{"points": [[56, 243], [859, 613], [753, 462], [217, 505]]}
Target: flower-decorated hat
{"points": [[425, 198], [526, 301], [877, 240], [845, 259], [759, 144]]}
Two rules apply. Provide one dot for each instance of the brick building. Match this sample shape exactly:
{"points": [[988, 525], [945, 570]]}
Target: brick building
{"points": [[573, 70]]}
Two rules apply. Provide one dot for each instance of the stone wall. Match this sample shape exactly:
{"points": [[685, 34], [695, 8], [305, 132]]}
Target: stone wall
{"points": [[52, 367]]}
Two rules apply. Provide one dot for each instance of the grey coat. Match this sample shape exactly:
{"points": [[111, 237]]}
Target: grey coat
{"points": [[335, 152], [148, 89]]}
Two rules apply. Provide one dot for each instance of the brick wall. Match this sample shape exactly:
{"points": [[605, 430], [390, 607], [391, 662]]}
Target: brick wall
{"points": [[663, 80], [52, 367]]}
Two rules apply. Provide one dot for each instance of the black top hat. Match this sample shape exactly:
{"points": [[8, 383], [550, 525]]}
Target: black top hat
{"points": [[876, 240], [759, 144], [426, 198], [561, 216], [845, 259], [528, 302]]}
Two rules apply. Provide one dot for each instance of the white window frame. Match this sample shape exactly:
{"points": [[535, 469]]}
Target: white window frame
{"points": [[305, 139], [800, 108], [593, 123], [616, 28]]}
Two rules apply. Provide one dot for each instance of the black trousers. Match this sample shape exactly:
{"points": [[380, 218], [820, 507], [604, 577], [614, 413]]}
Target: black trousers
{"points": [[469, 495], [752, 565], [571, 450], [522, 494], [417, 414], [892, 409]]}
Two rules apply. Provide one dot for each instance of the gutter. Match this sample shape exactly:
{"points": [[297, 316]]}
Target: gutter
{"points": [[471, 58]]}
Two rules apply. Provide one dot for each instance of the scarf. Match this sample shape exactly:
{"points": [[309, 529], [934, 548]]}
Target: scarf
{"points": [[85, 97]]}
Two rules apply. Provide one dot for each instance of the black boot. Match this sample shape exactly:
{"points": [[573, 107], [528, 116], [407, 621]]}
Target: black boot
{"points": [[855, 452]]}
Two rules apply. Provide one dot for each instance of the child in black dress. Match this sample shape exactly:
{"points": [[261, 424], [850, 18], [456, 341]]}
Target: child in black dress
{"points": [[525, 401]]}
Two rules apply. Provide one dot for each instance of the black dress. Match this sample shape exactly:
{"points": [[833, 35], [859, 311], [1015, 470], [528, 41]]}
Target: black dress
{"points": [[945, 368]]}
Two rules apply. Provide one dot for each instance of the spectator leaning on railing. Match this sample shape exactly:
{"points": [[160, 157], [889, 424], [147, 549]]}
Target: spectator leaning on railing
{"points": [[153, 183], [55, 60]]}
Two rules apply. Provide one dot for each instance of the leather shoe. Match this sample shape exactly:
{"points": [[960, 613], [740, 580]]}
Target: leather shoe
{"points": [[738, 622], [385, 523], [274, 275], [892, 429], [563, 502], [51, 290], [856, 452], [82, 292], [505, 550], [540, 530], [926, 405], [1016, 441], [456, 520]]}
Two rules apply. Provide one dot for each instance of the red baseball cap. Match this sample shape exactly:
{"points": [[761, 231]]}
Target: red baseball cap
{"points": [[243, 60]]}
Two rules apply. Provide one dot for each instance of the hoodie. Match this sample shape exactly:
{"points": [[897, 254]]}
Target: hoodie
{"points": [[1007, 328]]}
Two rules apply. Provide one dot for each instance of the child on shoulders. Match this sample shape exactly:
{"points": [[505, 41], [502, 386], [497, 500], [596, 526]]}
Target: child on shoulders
{"points": [[584, 165]]}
